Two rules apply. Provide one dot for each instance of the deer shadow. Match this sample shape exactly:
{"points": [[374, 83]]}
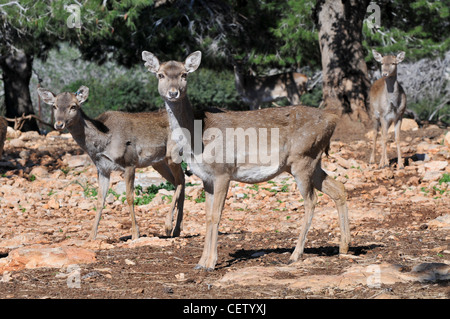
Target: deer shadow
{"points": [[243, 255]]}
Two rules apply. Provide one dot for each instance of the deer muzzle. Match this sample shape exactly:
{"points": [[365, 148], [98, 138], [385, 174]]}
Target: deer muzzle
{"points": [[59, 125], [173, 93]]}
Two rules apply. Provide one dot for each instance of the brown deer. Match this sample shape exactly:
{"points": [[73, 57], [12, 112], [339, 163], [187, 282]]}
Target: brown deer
{"points": [[297, 137], [388, 103], [121, 141], [256, 90]]}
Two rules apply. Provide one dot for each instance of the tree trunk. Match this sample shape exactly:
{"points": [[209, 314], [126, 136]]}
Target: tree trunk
{"points": [[345, 80], [16, 66]]}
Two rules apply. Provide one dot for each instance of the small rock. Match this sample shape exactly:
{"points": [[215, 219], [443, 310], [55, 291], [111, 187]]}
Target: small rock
{"points": [[149, 241], [432, 176], [447, 139], [18, 143], [39, 171], [78, 160], [441, 222], [28, 136], [130, 262], [436, 165], [37, 256], [12, 133]]}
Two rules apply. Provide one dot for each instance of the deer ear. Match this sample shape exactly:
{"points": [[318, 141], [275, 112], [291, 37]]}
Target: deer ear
{"points": [[46, 96], [193, 61], [377, 56], [82, 94], [151, 61], [399, 58]]}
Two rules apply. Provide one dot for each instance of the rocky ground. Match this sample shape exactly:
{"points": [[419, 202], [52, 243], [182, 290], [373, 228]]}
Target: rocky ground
{"points": [[400, 222]]}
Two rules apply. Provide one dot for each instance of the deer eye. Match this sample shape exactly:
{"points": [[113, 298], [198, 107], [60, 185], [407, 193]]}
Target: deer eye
{"points": [[54, 106], [160, 76], [184, 76], [73, 107]]}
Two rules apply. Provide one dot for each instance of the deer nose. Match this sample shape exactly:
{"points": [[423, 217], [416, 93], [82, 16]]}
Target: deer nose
{"points": [[385, 74], [59, 125], [173, 93]]}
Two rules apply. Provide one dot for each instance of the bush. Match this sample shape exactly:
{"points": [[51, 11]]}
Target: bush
{"points": [[121, 94], [206, 88]]}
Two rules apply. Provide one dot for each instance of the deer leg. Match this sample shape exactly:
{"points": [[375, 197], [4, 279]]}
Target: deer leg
{"points": [[178, 199], [374, 145], [397, 141], [209, 260], [129, 181], [336, 191], [304, 183], [384, 135], [173, 174], [103, 183], [209, 199]]}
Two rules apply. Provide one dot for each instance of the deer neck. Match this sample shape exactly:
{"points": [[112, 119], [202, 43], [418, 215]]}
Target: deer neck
{"points": [[181, 116], [391, 83], [86, 133]]}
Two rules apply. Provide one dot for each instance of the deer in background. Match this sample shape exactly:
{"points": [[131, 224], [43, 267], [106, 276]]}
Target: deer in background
{"points": [[388, 103], [303, 136], [256, 90], [121, 141]]}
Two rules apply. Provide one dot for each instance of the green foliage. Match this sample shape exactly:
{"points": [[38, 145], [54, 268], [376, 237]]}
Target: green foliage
{"points": [[207, 88], [420, 28], [119, 94], [144, 197], [295, 25], [445, 178]]}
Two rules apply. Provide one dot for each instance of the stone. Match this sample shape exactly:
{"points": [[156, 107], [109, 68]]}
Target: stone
{"points": [[430, 176], [12, 133], [21, 240], [373, 276], [407, 125], [440, 222], [149, 241], [39, 171], [436, 165], [29, 136], [78, 160], [447, 139], [37, 256], [18, 143]]}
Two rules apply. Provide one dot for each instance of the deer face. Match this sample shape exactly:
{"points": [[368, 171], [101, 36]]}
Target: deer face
{"points": [[66, 105], [172, 75], [388, 62]]}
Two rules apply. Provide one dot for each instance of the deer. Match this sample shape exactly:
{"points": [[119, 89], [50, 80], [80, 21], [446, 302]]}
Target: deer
{"points": [[387, 103], [121, 141], [299, 136], [256, 90]]}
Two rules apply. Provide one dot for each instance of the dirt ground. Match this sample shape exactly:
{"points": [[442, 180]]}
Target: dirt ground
{"points": [[263, 234]]}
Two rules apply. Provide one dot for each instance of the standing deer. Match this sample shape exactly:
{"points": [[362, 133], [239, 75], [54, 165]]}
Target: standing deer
{"points": [[301, 134], [388, 103], [121, 141], [256, 90]]}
